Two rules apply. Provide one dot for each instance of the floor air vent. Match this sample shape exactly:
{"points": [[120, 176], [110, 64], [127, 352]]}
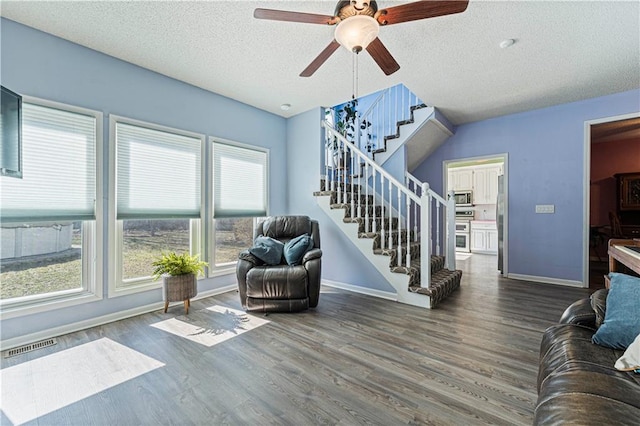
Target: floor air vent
{"points": [[30, 347]]}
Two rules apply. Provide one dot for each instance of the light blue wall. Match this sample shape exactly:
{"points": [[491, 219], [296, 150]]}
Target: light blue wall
{"points": [[546, 166], [38, 64], [341, 260]]}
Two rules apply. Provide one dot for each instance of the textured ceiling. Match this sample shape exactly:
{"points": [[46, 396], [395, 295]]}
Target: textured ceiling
{"points": [[564, 51]]}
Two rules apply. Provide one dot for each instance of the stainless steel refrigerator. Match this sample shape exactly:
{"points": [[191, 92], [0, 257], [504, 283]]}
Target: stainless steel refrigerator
{"points": [[500, 222]]}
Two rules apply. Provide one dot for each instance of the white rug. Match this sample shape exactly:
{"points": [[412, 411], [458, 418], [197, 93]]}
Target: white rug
{"points": [[212, 325]]}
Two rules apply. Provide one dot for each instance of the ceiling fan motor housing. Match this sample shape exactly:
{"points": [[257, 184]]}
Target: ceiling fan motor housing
{"points": [[347, 9]]}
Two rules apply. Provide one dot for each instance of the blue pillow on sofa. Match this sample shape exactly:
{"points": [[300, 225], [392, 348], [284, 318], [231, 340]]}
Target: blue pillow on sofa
{"points": [[622, 316], [295, 249], [267, 249]]}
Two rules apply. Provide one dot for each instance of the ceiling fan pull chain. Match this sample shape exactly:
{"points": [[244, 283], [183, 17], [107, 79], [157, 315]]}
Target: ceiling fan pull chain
{"points": [[356, 61], [353, 75]]}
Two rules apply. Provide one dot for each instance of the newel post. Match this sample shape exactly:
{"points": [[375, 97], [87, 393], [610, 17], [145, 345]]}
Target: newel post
{"points": [[425, 237], [451, 232]]}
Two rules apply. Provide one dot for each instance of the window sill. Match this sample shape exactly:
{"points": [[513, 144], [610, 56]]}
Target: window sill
{"points": [[18, 310], [220, 271]]}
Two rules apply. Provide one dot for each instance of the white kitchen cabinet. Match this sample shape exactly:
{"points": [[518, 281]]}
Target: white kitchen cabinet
{"points": [[492, 241], [484, 237], [478, 240], [485, 184], [460, 179]]}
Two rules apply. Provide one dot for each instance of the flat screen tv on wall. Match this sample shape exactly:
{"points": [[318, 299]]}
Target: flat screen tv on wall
{"points": [[11, 132]]}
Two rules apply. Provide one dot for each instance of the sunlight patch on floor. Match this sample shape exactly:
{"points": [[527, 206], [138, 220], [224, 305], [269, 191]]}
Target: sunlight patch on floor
{"points": [[212, 325], [43, 385]]}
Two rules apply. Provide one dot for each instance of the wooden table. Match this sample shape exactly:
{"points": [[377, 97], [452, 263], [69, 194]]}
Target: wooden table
{"points": [[620, 253]]}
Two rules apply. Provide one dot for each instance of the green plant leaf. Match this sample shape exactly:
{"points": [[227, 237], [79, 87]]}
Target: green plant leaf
{"points": [[174, 264]]}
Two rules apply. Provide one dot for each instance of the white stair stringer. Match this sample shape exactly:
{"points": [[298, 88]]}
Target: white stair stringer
{"points": [[400, 282], [421, 137]]}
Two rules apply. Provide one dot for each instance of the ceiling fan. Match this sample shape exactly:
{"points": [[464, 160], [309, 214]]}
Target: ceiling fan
{"points": [[357, 24]]}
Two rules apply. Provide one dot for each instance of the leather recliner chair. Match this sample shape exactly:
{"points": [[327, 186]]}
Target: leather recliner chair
{"points": [[281, 288]]}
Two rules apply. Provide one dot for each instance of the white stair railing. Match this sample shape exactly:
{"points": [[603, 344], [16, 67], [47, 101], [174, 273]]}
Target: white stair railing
{"points": [[348, 172], [392, 106], [441, 211]]}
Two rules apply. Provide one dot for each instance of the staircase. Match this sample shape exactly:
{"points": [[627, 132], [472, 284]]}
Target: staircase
{"points": [[398, 118], [399, 227]]}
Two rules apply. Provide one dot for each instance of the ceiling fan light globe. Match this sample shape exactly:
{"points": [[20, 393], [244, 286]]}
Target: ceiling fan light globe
{"points": [[356, 32]]}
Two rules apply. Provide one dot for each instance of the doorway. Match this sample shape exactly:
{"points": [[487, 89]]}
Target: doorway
{"points": [[612, 146], [485, 220]]}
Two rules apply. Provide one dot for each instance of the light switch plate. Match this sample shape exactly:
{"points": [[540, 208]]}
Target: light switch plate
{"points": [[545, 208]]}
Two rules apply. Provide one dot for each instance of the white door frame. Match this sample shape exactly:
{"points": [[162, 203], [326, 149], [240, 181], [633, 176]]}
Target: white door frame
{"points": [[505, 224], [587, 187]]}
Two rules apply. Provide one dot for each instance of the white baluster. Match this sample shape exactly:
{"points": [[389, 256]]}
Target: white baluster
{"points": [[350, 170], [334, 170], [425, 248], [430, 224], [382, 228], [389, 236], [408, 200], [359, 186], [438, 249], [374, 177], [400, 227], [366, 199], [415, 214]]}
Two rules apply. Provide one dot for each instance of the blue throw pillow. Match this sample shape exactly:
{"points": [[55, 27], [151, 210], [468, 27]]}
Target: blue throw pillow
{"points": [[622, 317], [268, 250], [296, 248]]}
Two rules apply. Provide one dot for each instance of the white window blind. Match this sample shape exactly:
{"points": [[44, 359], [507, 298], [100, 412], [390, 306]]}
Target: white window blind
{"points": [[239, 181], [59, 163], [158, 173]]}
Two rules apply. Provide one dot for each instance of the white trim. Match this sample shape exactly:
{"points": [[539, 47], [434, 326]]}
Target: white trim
{"points": [[388, 295], [94, 322], [92, 234], [222, 270], [586, 187], [546, 280], [117, 286], [210, 228], [49, 304], [505, 172]]}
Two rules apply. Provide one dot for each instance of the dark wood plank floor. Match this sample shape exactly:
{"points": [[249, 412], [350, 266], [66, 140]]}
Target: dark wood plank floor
{"points": [[353, 360]]}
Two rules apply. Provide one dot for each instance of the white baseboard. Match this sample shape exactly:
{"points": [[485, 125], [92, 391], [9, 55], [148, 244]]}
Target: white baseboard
{"points": [[547, 280], [362, 290], [94, 322]]}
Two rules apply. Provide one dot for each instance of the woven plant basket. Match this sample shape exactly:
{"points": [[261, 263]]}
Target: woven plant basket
{"points": [[179, 287]]}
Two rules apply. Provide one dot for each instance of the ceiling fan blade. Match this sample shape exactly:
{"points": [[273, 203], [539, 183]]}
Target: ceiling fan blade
{"points": [[283, 15], [320, 59], [421, 10], [383, 58]]}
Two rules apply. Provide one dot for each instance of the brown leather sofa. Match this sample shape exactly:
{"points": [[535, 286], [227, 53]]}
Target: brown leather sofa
{"points": [[577, 381], [281, 288]]}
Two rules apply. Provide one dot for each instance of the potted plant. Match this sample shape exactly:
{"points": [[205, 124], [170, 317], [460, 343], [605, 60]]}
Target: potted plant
{"points": [[179, 277]]}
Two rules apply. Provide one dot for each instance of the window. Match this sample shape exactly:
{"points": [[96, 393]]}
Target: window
{"points": [[239, 180], [157, 193], [240, 184], [48, 231]]}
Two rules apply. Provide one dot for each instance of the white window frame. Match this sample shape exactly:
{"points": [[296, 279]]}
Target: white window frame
{"points": [[230, 267], [92, 240], [117, 285]]}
